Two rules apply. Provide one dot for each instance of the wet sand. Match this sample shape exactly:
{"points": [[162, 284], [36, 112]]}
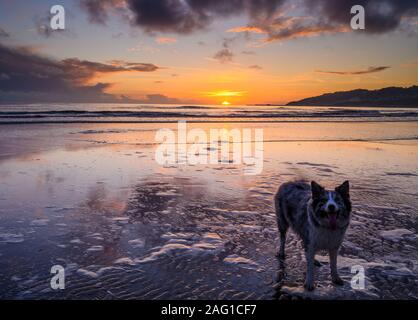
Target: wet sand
{"points": [[91, 197]]}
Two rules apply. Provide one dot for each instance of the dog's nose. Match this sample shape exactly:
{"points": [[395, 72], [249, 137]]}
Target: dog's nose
{"points": [[331, 208]]}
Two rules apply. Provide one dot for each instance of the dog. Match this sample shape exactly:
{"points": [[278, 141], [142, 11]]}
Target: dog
{"points": [[318, 216]]}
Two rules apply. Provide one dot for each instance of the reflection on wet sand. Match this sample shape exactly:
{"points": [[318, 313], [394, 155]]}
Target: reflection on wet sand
{"points": [[125, 227]]}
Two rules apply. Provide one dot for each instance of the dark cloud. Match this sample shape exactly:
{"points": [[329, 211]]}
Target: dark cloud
{"points": [[112, 66], [180, 16], [284, 28], [224, 55], [186, 16], [26, 74], [358, 72], [381, 15], [330, 16], [264, 16], [3, 33]]}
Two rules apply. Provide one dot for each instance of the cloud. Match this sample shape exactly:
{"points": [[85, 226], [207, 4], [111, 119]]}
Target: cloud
{"points": [[165, 40], [29, 76], [329, 16], [98, 10], [268, 17], [248, 52], [381, 16], [4, 34], [158, 98], [299, 27], [178, 16], [251, 29], [43, 26], [284, 28], [121, 65], [256, 67], [358, 72], [224, 56]]}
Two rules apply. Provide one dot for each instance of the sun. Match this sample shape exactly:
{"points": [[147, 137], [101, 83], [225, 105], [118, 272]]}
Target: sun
{"points": [[226, 103]]}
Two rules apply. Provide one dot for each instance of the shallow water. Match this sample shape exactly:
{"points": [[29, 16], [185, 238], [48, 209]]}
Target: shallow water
{"points": [[93, 199], [102, 113]]}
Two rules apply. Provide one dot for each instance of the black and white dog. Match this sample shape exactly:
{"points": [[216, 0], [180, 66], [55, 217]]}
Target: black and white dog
{"points": [[318, 216]]}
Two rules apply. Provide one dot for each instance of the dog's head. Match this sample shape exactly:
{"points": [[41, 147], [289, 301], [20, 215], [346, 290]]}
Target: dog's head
{"points": [[331, 208]]}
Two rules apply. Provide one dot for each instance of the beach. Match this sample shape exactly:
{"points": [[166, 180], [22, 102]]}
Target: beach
{"points": [[88, 194]]}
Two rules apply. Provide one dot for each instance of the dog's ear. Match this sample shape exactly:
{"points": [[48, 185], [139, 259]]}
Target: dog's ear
{"points": [[344, 190], [317, 190]]}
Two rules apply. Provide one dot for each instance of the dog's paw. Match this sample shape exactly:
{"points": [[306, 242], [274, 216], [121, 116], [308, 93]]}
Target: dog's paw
{"points": [[338, 281], [309, 286]]}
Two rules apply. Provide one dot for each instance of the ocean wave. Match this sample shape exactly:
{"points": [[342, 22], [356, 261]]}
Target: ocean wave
{"points": [[81, 113]]}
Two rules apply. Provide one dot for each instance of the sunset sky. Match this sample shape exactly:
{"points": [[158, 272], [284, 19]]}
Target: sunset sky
{"points": [[191, 51]]}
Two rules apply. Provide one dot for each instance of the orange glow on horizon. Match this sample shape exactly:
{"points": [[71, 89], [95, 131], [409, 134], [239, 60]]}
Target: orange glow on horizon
{"points": [[226, 93], [236, 85]]}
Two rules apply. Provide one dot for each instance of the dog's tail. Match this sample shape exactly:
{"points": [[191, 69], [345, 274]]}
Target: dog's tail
{"points": [[280, 207]]}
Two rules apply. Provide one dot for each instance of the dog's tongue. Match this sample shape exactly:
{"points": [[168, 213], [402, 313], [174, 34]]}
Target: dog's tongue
{"points": [[332, 218]]}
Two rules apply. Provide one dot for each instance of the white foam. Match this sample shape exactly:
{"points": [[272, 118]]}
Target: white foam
{"points": [[39, 222], [396, 234], [87, 273], [95, 248], [124, 261], [185, 244], [11, 238]]}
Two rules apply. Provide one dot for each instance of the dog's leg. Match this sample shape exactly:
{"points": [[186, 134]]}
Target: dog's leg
{"points": [[283, 232], [310, 258], [333, 253], [283, 226]]}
